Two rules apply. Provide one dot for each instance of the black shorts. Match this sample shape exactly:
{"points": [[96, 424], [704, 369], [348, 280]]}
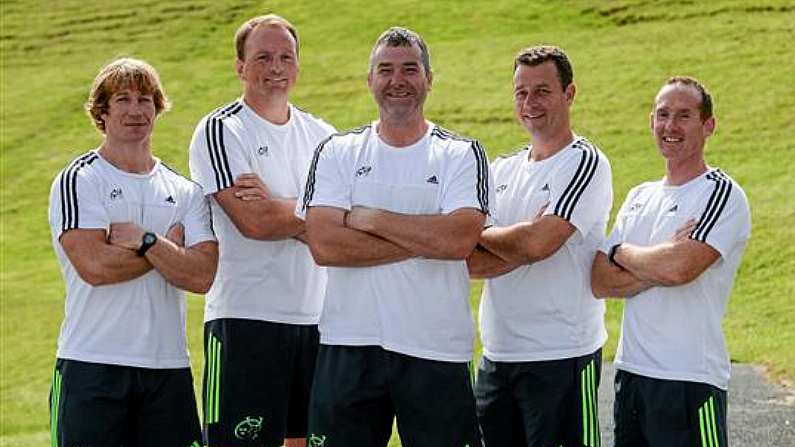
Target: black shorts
{"points": [[257, 378], [671, 413], [100, 405], [359, 390], [545, 403]]}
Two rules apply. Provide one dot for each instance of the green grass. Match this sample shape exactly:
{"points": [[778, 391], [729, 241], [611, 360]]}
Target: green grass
{"points": [[622, 51]]}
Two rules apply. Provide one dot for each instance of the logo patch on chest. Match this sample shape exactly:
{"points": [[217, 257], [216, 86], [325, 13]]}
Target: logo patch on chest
{"points": [[545, 187], [432, 179], [170, 199], [116, 194], [363, 171], [263, 151], [501, 188]]}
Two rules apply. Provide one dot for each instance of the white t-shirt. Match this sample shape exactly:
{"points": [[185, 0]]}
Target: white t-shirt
{"points": [[546, 310], [675, 333], [418, 307], [140, 322], [274, 281]]}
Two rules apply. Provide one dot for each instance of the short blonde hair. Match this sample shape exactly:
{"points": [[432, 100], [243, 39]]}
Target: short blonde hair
{"points": [[120, 74]]}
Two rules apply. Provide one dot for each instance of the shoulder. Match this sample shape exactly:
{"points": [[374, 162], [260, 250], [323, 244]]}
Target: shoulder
{"points": [[583, 148], [349, 137], [222, 116], [725, 185], [83, 166], [175, 178], [511, 158], [313, 120], [456, 146]]}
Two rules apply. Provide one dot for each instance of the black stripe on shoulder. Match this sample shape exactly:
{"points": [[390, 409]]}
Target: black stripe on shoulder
{"points": [[445, 134], [715, 205], [589, 159], [214, 132], [482, 182], [354, 131], [68, 185], [179, 174]]}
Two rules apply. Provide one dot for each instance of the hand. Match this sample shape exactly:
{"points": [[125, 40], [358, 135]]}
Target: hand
{"points": [[683, 233], [126, 235], [250, 187], [176, 234]]}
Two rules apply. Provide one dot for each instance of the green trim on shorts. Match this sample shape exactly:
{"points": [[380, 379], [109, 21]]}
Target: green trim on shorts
{"points": [[55, 400], [212, 391], [590, 406], [707, 425]]}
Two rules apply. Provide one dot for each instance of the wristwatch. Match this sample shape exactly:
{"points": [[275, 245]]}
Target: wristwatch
{"points": [[147, 241]]}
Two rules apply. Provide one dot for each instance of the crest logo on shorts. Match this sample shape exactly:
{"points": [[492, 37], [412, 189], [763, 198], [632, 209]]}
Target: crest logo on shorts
{"points": [[315, 440], [248, 428]]}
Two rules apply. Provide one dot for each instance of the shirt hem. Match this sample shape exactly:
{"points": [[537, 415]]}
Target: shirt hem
{"points": [[178, 363], [672, 375], [535, 356]]}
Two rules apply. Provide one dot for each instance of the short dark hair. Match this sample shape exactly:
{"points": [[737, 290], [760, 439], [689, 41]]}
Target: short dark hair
{"points": [[533, 56], [398, 36], [245, 30], [706, 97]]}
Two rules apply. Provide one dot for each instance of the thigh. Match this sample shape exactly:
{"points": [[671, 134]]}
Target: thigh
{"points": [[350, 404], [679, 413], [246, 381], [301, 376], [627, 431], [579, 425], [165, 412], [498, 414], [434, 402], [543, 392], [89, 404]]}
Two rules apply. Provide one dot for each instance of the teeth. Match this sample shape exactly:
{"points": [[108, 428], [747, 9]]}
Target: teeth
{"points": [[671, 140]]}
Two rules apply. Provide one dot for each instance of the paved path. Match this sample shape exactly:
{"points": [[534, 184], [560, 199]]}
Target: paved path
{"points": [[761, 414]]}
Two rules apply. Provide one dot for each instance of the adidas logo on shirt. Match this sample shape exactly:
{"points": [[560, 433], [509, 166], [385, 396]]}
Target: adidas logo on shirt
{"points": [[170, 199], [546, 187], [432, 179], [673, 209], [363, 171]]}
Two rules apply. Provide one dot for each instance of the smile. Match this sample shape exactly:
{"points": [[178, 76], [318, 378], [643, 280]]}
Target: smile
{"points": [[671, 140]]}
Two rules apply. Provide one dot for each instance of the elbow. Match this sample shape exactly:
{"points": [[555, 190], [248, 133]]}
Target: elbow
{"points": [[93, 276], [676, 276], [204, 285], [598, 289], [322, 256]]}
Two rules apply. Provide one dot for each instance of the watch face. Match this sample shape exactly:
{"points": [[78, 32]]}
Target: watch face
{"points": [[149, 238]]}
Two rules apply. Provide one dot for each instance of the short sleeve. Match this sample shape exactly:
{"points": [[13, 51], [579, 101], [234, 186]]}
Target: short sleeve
{"points": [[471, 183], [198, 219], [75, 202], [325, 183], [726, 218], [582, 192], [217, 155]]}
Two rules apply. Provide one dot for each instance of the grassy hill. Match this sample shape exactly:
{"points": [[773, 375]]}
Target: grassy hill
{"points": [[622, 51]]}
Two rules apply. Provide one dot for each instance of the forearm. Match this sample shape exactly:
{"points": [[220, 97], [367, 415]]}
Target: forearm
{"points": [[110, 264], [346, 247], [608, 280], [450, 236], [269, 220], [192, 269], [527, 242], [483, 264], [659, 265]]}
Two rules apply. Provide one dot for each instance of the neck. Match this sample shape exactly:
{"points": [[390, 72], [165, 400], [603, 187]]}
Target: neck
{"points": [[135, 157], [275, 109], [545, 147], [403, 131], [680, 172]]}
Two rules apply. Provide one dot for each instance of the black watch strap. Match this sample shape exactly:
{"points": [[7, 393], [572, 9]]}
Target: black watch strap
{"points": [[147, 241], [611, 256]]}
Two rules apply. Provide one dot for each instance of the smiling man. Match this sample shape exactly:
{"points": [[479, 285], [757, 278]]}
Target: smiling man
{"points": [[261, 315], [131, 234], [393, 208], [542, 329], [673, 254]]}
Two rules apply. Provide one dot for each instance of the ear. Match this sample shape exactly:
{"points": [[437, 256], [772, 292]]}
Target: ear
{"points": [[709, 126], [571, 92], [430, 80], [370, 79], [239, 69], [651, 122]]}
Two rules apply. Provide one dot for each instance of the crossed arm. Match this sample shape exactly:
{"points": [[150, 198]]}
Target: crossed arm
{"points": [[367, 236], [102, 259], [256, 213], [672, 263], [503, 249]]}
